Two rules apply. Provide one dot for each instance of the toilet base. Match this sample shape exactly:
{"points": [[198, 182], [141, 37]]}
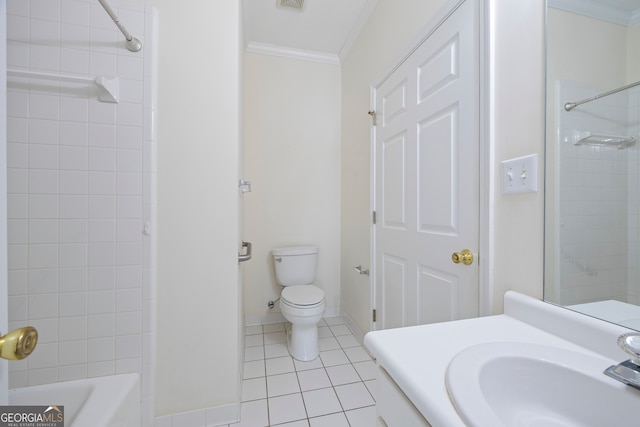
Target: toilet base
{"points": [[302, 342]]}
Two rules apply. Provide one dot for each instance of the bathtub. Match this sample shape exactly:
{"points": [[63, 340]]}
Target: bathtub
{"points": [[112, 401]]}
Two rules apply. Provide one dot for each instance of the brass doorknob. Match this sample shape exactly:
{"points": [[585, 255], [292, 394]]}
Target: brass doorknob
{"points": [[18, 344], [465, 256]]}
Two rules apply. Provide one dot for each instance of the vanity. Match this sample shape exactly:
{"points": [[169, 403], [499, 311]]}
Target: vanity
{"points": [[476, 372]]}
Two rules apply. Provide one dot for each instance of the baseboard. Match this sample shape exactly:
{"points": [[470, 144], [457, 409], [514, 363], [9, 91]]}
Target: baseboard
{"points": [[355, 330]]}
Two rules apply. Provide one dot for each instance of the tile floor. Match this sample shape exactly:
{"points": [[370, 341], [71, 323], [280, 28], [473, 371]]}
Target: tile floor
{"points": [[334, 390]]}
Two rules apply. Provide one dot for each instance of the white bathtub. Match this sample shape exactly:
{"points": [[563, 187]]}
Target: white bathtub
{"points": [[112, 401]]}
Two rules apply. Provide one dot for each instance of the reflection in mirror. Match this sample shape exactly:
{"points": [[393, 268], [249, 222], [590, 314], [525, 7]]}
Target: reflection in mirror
{"points": [[592, 207]]}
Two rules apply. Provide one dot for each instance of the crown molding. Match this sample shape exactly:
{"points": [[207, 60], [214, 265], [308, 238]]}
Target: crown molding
{"points": [[291, 53], [362, 20], [597, 10]]}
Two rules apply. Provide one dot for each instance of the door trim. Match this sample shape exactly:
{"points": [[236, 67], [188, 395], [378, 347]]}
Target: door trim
{"points": [[486, 178]]}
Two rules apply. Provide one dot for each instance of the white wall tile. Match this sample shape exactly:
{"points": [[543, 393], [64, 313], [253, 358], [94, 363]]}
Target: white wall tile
{"points": [[46, 58], [102, 230], [43, 181], [43, 206], [129, 207], [43, 280], [101, 302], [72, 328], [74, 109], [72, 279], [101, 278], [43, 256], [17, 231], [73, 158], [43, 231], [73, 182], [101, 325], [45, 31], [102, 135], [43, 306], [129, 137], [74, 12], [102, 159], [43, 156], [76, 134], [17, 129], [43, 131], [129, 160], [72, 255], [102, 206], [73, 206], [17, 180], [101, 254], [45, 9], [102, 183]]}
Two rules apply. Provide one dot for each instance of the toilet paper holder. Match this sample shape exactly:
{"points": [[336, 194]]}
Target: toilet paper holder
{"points": [[361, 271]]}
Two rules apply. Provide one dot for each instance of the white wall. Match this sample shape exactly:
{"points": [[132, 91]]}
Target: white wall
{"points": [[198, 357], [292, 158], [518, 45]]}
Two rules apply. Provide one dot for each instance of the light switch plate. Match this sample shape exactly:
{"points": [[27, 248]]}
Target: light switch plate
{"points": [[520, 175]]}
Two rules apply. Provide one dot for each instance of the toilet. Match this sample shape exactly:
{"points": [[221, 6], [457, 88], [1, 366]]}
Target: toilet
{"points": [[301, 303]]}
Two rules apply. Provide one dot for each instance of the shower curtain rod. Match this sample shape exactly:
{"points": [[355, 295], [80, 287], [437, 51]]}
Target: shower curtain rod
{"points": [[133, 44], [571, 105]]}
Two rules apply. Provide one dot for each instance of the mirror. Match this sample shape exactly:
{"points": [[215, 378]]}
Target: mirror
{"points": [[592, 173]]}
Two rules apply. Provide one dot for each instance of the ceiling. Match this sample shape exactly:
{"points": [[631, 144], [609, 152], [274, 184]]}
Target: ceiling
{"points": [[324, 30], [623, 12]]}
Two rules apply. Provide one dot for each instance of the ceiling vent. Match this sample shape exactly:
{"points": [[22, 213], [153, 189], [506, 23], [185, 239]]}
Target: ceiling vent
{"points": [[291, 4]]}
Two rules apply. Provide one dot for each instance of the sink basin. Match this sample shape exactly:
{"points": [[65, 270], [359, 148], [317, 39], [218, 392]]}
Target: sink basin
{"points": [[521, 384]]}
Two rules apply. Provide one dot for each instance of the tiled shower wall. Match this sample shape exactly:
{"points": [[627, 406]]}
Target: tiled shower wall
{"points": [[81, 192], [598, 199]]}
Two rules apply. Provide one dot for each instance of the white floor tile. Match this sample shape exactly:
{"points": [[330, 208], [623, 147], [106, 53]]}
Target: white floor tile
{"points": [[280, 365], [340, 330], [328, 343], [301, 423], [321, 402], [342, 374], [253, 369], [273, 327], [324, 332], [276, 350], [283, 409], [253, 353], [253, 414], [337, 389], [254, 389], [253, 340], [333, 420], [275, 338], [331, 321], [313, 379], [347, 341], [253, 330], [363, 417], [278, 385], [371, 386], [357, 354], [311, 364], [354, 396], [367, 370], [333, 357]]}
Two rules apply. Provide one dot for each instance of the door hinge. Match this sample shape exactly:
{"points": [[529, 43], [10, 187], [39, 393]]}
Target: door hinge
{"points": [[374, 314], [374, 117], [373, 217]]}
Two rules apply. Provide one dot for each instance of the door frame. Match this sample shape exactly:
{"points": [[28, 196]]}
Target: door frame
{"points": [[486, 179]]}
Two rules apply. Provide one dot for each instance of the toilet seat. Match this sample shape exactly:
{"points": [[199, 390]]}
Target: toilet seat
{"points": [[305, 295]]}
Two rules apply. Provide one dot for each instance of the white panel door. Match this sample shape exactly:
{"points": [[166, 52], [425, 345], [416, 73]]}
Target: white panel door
{"points": [[427, 178]]}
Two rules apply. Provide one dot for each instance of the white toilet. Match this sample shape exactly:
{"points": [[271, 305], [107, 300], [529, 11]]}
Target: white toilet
{"points": [[301, 302]]}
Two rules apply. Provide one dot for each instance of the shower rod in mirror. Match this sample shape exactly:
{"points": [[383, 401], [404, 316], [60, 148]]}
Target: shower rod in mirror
{"points": [[571, 105]]}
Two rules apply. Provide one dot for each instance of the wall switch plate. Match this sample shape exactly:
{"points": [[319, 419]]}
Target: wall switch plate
{"points": [[520, 175]]}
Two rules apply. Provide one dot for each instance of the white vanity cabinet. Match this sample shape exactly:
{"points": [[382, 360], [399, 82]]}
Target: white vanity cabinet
{"points": [[393, 406]]}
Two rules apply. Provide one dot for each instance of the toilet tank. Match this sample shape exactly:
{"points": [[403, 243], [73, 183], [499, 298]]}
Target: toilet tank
{"points": [[295, 265]]}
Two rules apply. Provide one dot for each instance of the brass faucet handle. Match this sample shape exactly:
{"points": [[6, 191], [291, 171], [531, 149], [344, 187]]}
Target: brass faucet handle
{"points": [[19, 343]]}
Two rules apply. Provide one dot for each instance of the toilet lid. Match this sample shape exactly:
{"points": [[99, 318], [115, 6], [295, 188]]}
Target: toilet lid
{"points": [[302, 295]]}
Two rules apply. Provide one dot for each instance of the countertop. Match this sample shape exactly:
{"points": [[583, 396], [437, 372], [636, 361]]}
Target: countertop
{"points": [[417, 357]]}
